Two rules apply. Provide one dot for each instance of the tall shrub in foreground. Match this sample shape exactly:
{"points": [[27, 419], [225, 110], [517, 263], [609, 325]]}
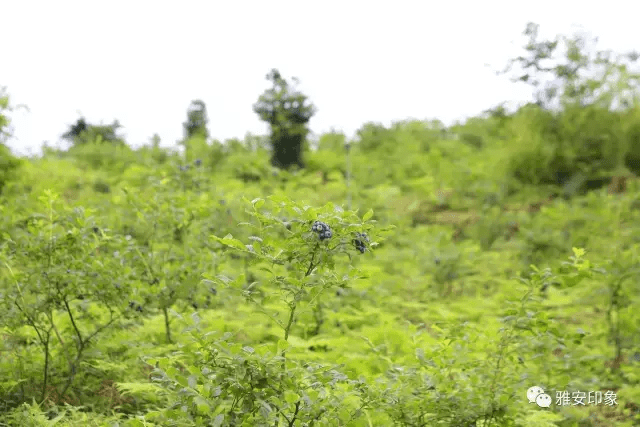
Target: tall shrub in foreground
{"points": [[476, 376], [57, 298], [220, 383], [164, 253]]}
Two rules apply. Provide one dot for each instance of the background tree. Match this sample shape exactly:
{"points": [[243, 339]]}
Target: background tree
{"points": [[578, 76], [196, 124], [5, 130], [82, 133], [287, 112], [155, 141], [583, 128]]}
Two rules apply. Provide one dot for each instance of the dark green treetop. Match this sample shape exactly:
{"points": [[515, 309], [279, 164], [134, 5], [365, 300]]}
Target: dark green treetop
{"points": [[287, 112]]}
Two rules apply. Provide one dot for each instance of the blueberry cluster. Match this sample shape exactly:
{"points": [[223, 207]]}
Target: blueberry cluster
{"points": [[360, 242], [323, 230], [133, 305]]}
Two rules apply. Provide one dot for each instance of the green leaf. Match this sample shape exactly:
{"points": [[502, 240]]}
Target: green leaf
{"points": [[290, 397], [231, 242], [202, 405], [192, 381], [217, 422], [578, 252], [313, 394], [367, 216], [257, 203], [282, 345]]}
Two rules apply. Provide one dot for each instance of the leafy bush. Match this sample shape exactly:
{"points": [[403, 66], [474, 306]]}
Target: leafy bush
{"points": [[228, 384], [301, 269], [60, 298], [473, 377], [9, 164], [95, 155]]}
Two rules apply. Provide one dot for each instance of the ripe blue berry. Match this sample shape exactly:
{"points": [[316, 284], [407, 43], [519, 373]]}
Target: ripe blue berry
{"points": [[323, 230], [360, 242], [319, 227], [326, 235]]}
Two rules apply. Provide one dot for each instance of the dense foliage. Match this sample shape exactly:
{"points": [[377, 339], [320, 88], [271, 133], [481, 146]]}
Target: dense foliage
{"points": [[9, 164], [147, 287], [82, 133]]}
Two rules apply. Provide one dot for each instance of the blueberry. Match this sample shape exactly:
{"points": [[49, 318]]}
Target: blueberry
{"points": [[360, 242], [320, 227], [326, 235], [198, 162], [139, 308]]}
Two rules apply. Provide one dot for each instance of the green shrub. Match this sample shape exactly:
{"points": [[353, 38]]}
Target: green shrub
{"points": [[9, 164]]}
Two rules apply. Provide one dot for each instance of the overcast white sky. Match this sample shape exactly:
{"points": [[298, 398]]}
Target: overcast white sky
{"points": [[143, 62]]}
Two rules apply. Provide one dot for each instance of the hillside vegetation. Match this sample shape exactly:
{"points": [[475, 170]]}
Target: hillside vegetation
{"points": [[418, 275]]}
